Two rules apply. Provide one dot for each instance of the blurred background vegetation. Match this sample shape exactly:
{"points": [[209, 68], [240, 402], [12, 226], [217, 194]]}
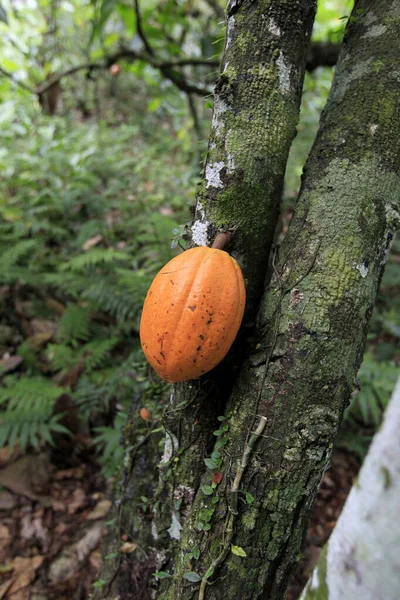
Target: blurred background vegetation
{"points": [[105, 108]]}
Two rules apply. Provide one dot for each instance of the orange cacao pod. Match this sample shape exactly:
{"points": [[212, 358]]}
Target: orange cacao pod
{"points": [[192, 313]]}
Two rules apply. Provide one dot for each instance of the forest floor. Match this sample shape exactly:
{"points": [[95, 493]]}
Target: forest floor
{"points": [[52, 523]]}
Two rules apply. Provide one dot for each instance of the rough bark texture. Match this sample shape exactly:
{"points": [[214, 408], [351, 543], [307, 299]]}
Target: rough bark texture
{"points": [[256, 107], [360, 562], [311, 329], [299, 363]]}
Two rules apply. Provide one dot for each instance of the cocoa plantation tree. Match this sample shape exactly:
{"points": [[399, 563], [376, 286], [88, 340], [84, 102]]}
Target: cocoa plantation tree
{"points": [[214, 499]]}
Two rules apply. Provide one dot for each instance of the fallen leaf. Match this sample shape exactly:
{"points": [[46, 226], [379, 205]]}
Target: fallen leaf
{"points": [[32, 528], [73, 473], [43, 326], [10, 363], [72, 556], [55, 306], [27, 475], [7, 454], [128, 547], [100, 510], [78, 500], [92, 242], [95, 560], [4, 535], [24, 573], [4, 587], [37, 340], [7, 500]]}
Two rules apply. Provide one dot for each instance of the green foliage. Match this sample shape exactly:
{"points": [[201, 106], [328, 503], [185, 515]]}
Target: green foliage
{"points": [[108, 439], [86, 219], [377, 382], [28, 417]]}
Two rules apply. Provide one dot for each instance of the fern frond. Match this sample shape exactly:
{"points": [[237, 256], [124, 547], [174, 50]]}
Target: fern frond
{"points": [[9, 259], [61, 356], [97, 352], [94, 257], [110, 298], [28, 414], [74, 323]]}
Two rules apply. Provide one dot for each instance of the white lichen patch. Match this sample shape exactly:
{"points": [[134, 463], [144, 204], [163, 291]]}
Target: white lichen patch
{"points": [[284, 70], [175, 529], [154, 530], [219, 108], [375, 31], [213, 174], [363, 270], [229, 31], [231, 163], [373, 128], [199, 233], [274, 28], [348, 76], [200, 210], [370, 18], [169, 444]]}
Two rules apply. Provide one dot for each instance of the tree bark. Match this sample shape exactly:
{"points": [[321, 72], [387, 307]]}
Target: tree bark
{"points": [[360, 561], [242, 535]]}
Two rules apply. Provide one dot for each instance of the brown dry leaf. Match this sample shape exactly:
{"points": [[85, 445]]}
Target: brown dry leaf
{"points": [[43, 326], [23, 308], [55, 306], [72, 556], [4, 587], [32, 528], [37, 340], [4, 536], [10, 363], [27, 475], [100, 510], [92, 242], [7, 500], [73, 473], [7, 567], [95, 560], [128, 547], [79, 499], [24, 573], [72, 376], [7, 455]]}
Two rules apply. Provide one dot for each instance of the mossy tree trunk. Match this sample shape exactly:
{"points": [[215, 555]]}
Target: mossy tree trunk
{"points": [[239, 532]]}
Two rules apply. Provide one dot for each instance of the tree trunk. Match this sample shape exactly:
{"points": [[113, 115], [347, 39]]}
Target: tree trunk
{"points": [[239, 532], [361, 560]]}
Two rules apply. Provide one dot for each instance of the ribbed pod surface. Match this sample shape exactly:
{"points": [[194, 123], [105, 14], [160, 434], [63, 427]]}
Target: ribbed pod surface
{"points": [[192, 313]]}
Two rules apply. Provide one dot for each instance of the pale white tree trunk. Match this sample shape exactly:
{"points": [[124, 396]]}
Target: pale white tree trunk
{"points": [[362, 558]]}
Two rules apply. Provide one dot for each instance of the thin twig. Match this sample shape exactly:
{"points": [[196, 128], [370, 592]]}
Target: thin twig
{"points": [[230, 529], [21, 84], [140, 28], [164, 66]]}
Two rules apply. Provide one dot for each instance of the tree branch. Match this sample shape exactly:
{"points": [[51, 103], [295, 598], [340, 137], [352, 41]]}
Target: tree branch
{"points": [[166, 67], [139, 28], [21, 84]]}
